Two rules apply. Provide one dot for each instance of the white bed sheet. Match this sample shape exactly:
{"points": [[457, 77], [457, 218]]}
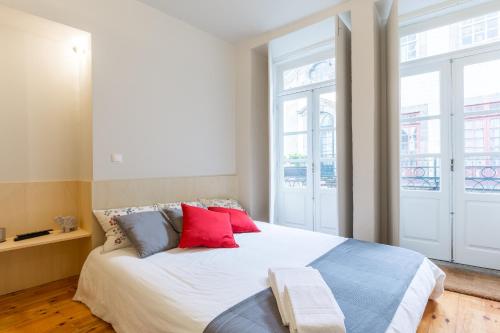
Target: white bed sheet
{"points": [[182, 291]]}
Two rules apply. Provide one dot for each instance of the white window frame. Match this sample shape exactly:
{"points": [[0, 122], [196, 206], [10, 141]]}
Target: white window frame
{"points": [[317, 52], [323, 52], [473, 24], [422, 22]]}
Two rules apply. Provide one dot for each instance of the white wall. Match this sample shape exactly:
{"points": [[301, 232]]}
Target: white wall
{"points": [[163, 91], [303, 38], [40, 96], [365, 118]]}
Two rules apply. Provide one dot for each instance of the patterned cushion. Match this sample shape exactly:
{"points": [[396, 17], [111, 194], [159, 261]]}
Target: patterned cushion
{"points": [[177, 204], [173, 212], [225, 203], [115, 237]]}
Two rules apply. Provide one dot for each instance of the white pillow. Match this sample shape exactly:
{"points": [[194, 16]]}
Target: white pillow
{"points": [[225, 203], [115, 237]]}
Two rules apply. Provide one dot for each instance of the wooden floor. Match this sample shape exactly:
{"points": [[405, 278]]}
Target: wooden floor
{"points": [[50, 308]]}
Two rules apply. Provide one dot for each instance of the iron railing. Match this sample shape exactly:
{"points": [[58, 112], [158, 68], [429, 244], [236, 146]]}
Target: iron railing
{"points": [[296, 176], [482, 179]]}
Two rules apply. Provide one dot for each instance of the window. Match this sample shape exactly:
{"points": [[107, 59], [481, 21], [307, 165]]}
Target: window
{"points": [[420, 132], [409, 139], [474, 135], [409, 47], [464, 34], [315, 72], [477, 30], [415, 111], [494, 135]]}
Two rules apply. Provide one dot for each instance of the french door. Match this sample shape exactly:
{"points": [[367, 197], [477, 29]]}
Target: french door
{"points": [[425, 155], [477, 160], [450, 159], [306, 189]]}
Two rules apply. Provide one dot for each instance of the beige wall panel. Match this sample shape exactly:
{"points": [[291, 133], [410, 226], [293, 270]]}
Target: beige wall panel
{"points": [[29, 207], [37, 265], [124, 193]]}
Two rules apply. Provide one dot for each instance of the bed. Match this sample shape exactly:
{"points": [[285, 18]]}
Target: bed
{"points": [[183, 291]]}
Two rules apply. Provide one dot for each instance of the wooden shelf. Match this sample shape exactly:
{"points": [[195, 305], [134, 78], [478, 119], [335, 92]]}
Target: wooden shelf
{"points": [[55, 237]]}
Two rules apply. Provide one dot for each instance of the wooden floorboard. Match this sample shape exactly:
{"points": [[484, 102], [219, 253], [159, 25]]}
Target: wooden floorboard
{"points": [[50, 308]]}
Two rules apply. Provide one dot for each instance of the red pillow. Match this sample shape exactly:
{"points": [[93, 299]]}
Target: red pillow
{"points": [[240, 221], [203, 228]]}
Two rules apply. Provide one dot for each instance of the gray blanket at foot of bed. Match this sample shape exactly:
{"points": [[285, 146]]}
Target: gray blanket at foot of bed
{"points": [[368, 280]]}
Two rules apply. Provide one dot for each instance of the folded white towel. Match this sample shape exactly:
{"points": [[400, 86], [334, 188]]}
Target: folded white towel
{"points": [[281, 277], [313, 309], [278, 277]]}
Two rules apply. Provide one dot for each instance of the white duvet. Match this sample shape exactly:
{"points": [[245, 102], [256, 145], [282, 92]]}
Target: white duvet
{"points": [[184, 290]]}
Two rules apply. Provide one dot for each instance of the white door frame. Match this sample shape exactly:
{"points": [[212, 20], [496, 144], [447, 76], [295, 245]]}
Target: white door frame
{"points": [[414, 233], [331, 224], [282, 190], [460, 251], [477, 244], [313, 191]]}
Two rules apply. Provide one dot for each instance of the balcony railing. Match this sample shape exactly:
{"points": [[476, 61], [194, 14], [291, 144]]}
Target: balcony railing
{"points": [[481, 179], [296, 176], [420, 175]]}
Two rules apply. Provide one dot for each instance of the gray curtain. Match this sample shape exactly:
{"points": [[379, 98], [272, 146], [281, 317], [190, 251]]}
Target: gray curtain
{"points": [[344, 126]]}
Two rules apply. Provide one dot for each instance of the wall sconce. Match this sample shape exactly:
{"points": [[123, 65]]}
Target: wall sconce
{"points": [[80, 45], [78, 50]]}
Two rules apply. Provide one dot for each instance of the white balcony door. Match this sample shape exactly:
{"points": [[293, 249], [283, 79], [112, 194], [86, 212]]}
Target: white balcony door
{"points": [[307, 191], [477, 160], [450, 159], [295, 181], [424, 165], [325, 167]]}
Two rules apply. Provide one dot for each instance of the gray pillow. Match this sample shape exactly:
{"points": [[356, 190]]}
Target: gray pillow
{"points": [[149, 232], [174, 216]]}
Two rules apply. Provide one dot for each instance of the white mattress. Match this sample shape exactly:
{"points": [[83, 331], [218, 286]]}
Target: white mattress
{"points": [[184, 290]]}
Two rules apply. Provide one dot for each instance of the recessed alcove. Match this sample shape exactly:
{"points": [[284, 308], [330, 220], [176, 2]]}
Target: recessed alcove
{"points": [[45, 144]]}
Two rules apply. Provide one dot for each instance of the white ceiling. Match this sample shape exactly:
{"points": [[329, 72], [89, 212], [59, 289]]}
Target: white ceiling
{"points": [[235, 20]]}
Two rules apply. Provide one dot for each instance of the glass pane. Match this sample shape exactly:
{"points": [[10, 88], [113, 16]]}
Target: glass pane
{"points": [[420, 174], [327, 110], [327, 124], [461, 35], [420, 95], [482, 174], [295, 115], [482, 87], [327, 148], [295, 146], [482, 134], [316, 72], [421, 137], [295, 174], [328, 175]]}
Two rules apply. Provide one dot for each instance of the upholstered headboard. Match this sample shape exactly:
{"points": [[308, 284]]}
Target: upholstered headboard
{"points": [[142, 192]]}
